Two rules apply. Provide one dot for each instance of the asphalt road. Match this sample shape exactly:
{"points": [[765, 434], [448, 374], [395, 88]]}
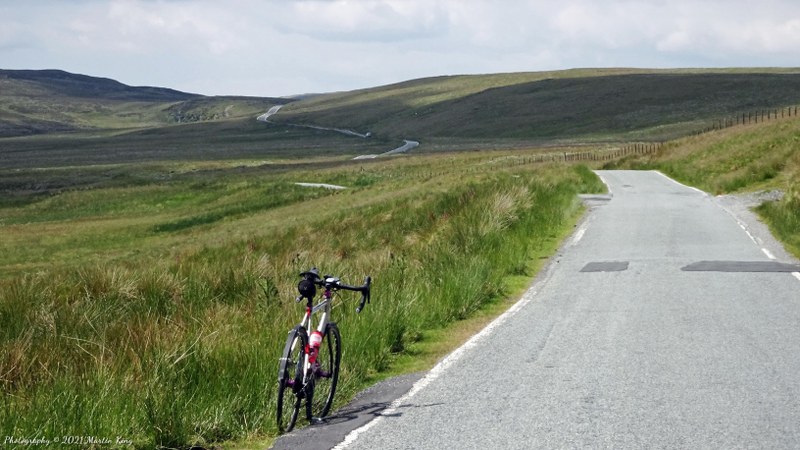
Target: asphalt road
{"points": [[663, 323]]}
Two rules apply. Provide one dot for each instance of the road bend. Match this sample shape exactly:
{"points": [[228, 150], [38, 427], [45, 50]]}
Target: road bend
{"points": [[661, 324]]}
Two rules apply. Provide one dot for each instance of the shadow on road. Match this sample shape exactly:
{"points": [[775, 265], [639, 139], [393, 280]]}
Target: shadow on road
{"points": [[368, 405]]}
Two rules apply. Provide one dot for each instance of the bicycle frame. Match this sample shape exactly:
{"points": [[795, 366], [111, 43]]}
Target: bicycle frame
{"points": [[311, 367], [307, 323]]}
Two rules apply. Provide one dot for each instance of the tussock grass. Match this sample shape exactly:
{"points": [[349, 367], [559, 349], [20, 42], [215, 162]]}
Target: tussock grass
{"points": [[174, 341]]}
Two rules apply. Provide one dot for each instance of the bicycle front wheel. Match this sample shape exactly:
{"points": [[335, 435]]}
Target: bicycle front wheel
{"points": [[326, 373], [290, 378]]}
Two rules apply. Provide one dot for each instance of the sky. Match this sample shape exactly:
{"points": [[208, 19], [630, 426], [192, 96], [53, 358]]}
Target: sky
{"points": [[275, 48]]}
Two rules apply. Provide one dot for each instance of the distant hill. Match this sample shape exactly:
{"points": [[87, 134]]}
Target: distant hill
{"points": [[54, 101], [73, 85], [571, 105], [85, 120]]}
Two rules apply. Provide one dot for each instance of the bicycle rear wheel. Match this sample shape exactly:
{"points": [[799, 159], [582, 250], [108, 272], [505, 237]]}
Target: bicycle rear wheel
{"points": [[290, 379], [326, 374]]}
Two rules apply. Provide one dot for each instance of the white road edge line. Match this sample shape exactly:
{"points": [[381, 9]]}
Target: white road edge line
{"points": [[578, 235], [445, 363], [681, 184], [608, 186], [743, 226], [796, 275]]}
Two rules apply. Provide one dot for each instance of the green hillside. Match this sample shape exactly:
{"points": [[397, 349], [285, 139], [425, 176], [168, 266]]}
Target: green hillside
{"points": [[52, 118], [600, 104], [150, 245], [51, 101]]}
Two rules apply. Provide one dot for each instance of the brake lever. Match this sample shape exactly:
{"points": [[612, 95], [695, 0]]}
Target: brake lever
{"points": [[361, 304], [365, 294]]}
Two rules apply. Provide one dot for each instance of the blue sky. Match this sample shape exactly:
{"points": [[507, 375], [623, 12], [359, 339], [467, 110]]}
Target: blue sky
{"points": [[284, 47]]}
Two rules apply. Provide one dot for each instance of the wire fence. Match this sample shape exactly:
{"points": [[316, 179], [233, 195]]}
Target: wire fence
{"points": [[642, 148], [758, 116]]}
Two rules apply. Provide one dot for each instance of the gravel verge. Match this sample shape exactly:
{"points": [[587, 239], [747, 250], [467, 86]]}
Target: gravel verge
{"points": [[740, 206]]}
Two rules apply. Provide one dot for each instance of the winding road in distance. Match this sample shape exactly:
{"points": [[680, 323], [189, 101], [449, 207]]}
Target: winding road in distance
{"points": [[407, 144], [662, 323]]}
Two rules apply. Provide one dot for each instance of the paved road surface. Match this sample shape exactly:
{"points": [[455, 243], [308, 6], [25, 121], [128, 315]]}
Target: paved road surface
{"points": [[629, 352]]}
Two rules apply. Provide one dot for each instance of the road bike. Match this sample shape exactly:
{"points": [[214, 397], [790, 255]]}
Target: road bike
{"points": [[309, 365]]}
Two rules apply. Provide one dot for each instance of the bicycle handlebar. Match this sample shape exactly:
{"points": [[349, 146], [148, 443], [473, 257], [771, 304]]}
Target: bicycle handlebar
{"points": [[331, 282]]}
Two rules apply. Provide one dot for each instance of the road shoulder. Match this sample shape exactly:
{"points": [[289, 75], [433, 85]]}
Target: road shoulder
{"points": [[365, 407]]}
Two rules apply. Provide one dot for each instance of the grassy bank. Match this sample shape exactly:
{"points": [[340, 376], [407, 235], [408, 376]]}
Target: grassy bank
{"points": [[740, 159], [156, 311]]}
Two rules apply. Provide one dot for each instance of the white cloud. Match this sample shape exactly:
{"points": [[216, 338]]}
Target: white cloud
{"points": [[146, 27], [314, 45], [737, 32], [363, 21], [771, 36]]}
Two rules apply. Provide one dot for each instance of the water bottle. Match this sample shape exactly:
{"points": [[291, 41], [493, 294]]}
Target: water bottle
{"points": [[314, 341]]}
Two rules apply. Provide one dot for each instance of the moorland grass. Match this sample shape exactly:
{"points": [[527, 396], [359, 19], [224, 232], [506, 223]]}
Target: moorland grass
{"points": [[51, 101], [517, 110], [176, 343], [564, 106]]}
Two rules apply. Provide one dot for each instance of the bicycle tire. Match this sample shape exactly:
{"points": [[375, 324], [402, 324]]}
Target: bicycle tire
{"points": [[326, 374], [290, 379]]}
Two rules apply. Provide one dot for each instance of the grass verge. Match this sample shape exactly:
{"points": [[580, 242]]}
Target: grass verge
{"points": [[170, 338]]}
